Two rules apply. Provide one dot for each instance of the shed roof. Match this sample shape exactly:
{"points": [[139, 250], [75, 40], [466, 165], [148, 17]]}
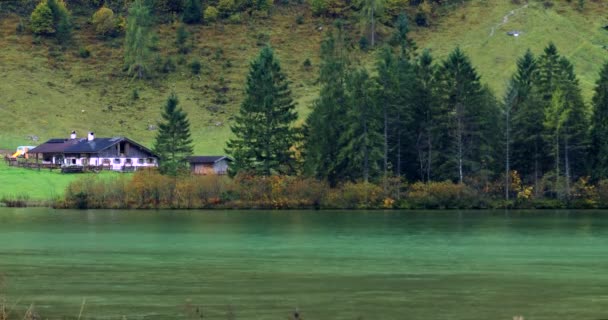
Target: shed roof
{"points": [[208, 159]]}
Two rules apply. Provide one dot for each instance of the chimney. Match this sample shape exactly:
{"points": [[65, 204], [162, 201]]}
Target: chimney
{"points": [[73, 135], [91, 136]]}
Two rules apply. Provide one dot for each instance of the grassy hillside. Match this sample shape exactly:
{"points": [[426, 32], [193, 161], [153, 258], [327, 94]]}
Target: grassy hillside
{"points": [[578, 35], [47, 92]]}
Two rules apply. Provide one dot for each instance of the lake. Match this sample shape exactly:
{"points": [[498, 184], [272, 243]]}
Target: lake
{"points": [[470, 265]]}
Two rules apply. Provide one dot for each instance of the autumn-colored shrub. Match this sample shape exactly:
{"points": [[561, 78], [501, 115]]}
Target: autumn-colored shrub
{"points": [[355, 196], [602, 193], [211, 14], [444, 195], [104, 21]]}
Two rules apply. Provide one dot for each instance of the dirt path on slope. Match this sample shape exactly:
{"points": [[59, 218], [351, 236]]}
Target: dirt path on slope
{"points": [[505, 19]]}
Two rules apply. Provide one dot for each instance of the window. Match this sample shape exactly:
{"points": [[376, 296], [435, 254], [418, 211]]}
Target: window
{"points": [[116, 161], [150, 160], [106, 161], [140, 161], [73, 161], [128, 161]]}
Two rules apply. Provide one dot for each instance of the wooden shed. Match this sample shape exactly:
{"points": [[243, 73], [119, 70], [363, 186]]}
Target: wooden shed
{"points": [[209, 164]]}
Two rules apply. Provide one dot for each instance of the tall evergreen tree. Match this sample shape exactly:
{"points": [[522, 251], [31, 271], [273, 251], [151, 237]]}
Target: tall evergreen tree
{"points": [[193, 12], [464, 108], [599, 127], [325, 124], [61, 20], [527, 121], [362, 140], [395, 79], [263, 129], [566, 125], [425, 115], [173, 143], [138, 39]]}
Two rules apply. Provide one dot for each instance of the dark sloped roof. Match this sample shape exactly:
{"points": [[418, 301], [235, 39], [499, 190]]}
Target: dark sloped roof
{"points": [[54, 146], [207, 159], [83, 145], [95, 145]]}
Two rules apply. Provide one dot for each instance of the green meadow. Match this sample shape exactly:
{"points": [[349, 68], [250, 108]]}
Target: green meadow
{"points": [[36, 185]]}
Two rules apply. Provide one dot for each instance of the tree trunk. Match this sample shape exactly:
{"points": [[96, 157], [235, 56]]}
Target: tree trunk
{"points": [[385, 145], [536, 167], [460, 150], [507, 164], [429, 156], [373, 27], [567, 165], [557, 161], [365, 154]]}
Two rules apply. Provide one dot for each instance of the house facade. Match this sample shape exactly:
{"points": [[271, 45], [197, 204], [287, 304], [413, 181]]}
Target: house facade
{"points": [[117, 153], [207, 165]]}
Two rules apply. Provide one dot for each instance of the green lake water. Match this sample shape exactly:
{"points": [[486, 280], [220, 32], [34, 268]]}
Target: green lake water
{"points": [[329, 265]]}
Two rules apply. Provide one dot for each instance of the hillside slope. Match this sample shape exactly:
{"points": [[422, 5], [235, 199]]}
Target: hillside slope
{"points": [[47, 93]]}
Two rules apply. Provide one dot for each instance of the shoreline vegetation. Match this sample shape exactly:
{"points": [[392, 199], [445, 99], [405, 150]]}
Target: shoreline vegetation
{"points": [[149, 189]]}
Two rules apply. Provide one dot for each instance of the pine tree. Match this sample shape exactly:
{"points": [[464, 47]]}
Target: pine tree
{"points": [[395, 79], [465, 107], [173, 143], [61, 20], [138, 39], [527, 121], [193, 12], [362, 140], [599, 127], [263, 129], [566, 125], [325, 124]]}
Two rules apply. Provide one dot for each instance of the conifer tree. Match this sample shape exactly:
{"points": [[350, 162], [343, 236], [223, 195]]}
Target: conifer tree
{"points": [[325, 124], [193, 12], [61, 20], [395, 79], [425, 115], [527, 121], [138, 39], [599, 127], [263, 129], [173, 143], [361, 140], [566, 125], [464, 107]]}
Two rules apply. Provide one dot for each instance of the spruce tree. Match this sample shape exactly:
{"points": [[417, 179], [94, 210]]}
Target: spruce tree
{"points": [[599, 127], [425, 115], [263, 129], [61, 20], [138, 39], [566, 112], [394, 98], [527, 121], [173, 143], [325, 124], [361, 140], [193, 12], [464, 106]]}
